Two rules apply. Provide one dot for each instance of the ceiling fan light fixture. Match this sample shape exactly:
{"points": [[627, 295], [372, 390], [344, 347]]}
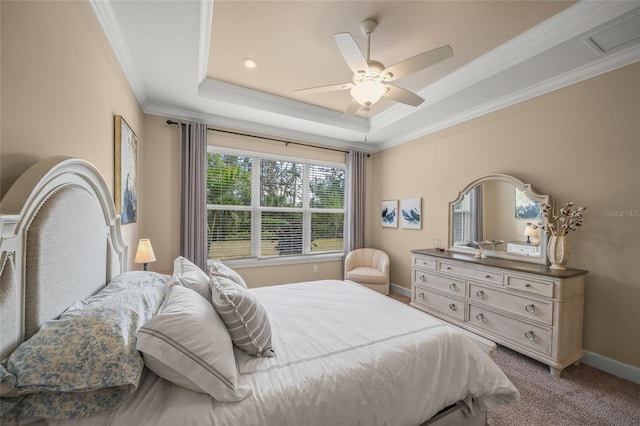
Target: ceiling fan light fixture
{"points": [[368, 92], [371, 79]]}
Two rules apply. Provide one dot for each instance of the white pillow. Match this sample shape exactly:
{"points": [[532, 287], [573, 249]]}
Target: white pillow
{"points": [[188, 344], [190, 276], [243, 315], [219, 269]]}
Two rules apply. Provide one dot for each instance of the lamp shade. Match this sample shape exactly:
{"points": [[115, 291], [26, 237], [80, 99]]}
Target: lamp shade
{"points": [[531, 232], [144, 254], [368, 92]]}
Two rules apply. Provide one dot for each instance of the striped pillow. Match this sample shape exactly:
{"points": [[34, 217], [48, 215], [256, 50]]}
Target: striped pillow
{"points": [[243, 315], [219, 269]]}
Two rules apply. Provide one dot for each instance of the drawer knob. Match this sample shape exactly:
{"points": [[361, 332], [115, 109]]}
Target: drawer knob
{"points": [[527, 285], [422, 278], [448, 268], [452, 306], [530, 308], [421, 296], [530, 335], [480, 317], [452, 286], [480, 294], [487, 276]]}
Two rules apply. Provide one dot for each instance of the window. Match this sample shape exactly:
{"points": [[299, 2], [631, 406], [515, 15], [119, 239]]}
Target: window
{"points": [[259, 206], [467, 219], [461, 221]]}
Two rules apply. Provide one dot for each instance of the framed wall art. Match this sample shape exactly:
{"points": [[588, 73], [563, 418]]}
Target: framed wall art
{"points": [[411, 213], [390, 214], [125, 173], [525, 208]]}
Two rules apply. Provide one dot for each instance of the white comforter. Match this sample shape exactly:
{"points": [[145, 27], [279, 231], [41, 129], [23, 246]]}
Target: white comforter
{"points": [[344, 355]]}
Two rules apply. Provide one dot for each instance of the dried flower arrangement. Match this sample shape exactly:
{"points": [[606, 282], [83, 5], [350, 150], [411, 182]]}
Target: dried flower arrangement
{"points": [[559, 223]]}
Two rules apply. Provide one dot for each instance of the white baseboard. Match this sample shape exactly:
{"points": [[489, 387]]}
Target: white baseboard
{"points": [[601, 362], [395, 288], [617, 368]]}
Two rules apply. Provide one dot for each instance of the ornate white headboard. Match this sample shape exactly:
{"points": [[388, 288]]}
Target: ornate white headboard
{"points": [[60, 241]]}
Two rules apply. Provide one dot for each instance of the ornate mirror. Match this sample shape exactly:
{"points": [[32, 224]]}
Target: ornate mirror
{"points": [[493, 216]]}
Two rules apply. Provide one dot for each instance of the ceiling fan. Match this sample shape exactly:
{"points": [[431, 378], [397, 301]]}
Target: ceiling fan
{"points": [[371, 80]]}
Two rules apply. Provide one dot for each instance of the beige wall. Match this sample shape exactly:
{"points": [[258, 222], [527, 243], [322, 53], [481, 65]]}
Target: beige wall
{"points": [[584, 145], [161, 198], [61, 86], [299, 272]]}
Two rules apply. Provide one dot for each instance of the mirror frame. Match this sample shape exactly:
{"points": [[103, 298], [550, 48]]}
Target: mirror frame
{"points": [[528, 190]]}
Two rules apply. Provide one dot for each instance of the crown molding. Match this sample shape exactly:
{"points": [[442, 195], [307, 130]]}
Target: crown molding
{"points": [[230, 93], [204, 35], [570, 23], [107, 19], [569, 78], [256, 128]]}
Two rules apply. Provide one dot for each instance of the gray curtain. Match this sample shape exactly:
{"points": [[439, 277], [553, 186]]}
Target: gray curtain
{"points": [[193, 211], [355, 201]]}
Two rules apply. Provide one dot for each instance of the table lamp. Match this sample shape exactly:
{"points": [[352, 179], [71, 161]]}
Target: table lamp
{"points": [[144, 254], [529, 232]]}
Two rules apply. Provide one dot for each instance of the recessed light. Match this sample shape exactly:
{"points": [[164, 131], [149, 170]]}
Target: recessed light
{"points": [[250, 62]]}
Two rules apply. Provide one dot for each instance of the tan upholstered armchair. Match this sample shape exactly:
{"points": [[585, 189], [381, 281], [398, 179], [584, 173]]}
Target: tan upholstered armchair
{"points": [[369, 267]]}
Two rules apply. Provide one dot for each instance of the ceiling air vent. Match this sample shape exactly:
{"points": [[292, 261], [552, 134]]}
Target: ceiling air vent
{"points": [[620, 34]]}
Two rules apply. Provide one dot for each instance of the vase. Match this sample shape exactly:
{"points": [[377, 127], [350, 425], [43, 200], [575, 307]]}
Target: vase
{"points": [[558, 251]]}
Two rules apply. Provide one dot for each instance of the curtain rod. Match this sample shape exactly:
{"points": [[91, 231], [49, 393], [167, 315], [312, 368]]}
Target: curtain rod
{"points": [[271, 139]]}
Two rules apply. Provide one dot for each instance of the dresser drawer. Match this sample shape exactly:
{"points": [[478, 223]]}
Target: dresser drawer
{"points": [[423, 262], [520, 333], [537, 286], [486, 275], [527, 308], [446, 305], [448, 285]]}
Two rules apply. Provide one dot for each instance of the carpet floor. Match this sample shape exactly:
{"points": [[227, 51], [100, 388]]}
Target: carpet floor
{"points": [[582, 396]]}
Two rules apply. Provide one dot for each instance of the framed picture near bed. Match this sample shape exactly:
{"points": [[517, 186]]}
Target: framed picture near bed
{"points": [[390, 214], [126, 178], [411, 213]]}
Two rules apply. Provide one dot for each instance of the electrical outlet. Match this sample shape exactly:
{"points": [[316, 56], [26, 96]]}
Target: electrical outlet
{"points": [[315, 268]]}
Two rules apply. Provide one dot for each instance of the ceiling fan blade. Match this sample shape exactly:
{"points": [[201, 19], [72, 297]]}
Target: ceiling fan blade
{"points": [[401, 95], [351, 52], [418, 62], [352, 108], [322, 89]]}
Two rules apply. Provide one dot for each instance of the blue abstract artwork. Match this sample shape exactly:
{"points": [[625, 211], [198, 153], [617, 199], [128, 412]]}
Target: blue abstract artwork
{"points": [[390, 213], [411, 213]]}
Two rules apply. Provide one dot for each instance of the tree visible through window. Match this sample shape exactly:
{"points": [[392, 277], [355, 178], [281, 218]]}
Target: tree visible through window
{"points": [[264, 207]]}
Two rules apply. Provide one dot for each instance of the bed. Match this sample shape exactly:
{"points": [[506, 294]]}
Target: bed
{"points": [[341, 353]]}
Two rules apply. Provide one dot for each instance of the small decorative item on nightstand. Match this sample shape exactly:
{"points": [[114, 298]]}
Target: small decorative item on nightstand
{"points": [[144, 254]]}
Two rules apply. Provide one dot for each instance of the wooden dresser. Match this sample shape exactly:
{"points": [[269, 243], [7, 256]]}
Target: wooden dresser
{"points": [[527, 307]]}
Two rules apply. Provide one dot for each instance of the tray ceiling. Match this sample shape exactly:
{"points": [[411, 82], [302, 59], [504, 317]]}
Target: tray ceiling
{"points": [[183, 60]]}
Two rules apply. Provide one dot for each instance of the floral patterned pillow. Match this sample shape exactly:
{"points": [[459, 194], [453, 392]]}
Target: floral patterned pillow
{"points": [[85, 362]]}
